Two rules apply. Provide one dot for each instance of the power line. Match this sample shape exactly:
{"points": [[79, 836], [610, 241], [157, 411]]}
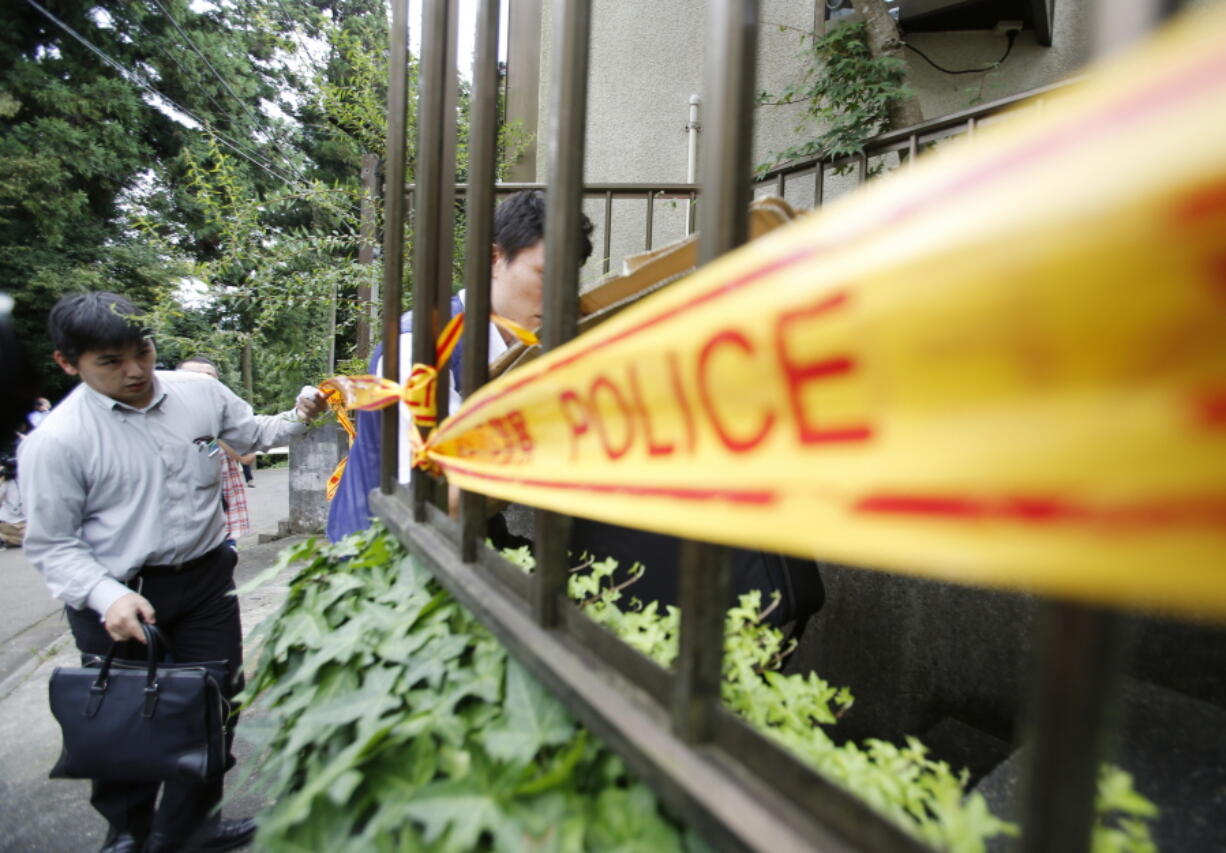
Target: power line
{"points": [[289, 20], [255, 121], [138, 80], [220, 79], [182, 70], [205, 59]]}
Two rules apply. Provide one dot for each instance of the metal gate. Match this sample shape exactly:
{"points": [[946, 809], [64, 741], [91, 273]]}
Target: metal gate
{"points": [[740, 789]]}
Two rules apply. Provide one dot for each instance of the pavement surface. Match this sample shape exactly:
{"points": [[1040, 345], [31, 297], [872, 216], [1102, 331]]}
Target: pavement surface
{"points": [[41, 815]]}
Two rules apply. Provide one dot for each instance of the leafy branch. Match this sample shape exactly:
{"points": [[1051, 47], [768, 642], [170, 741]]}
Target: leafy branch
{"points": [[847, 91]]}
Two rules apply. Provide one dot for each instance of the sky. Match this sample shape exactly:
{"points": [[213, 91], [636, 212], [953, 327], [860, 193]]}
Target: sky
{"points": [[466, 30]]}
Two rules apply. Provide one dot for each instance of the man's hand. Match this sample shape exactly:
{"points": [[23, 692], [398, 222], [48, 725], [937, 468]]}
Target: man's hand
{"points": [[121, 620], [310, 403]]}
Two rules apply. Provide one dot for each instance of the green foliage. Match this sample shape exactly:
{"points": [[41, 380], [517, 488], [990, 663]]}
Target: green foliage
{"points": [[920, 794], [846, 91], [85, 151], [1122, 814], [400, 723]]}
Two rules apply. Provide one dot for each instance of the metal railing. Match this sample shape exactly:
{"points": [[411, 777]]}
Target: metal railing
{"points": [[907, 144], [740, 789], [649, 194]]}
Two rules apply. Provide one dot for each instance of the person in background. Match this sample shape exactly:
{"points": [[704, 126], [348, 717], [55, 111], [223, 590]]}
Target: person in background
{"points": [[516, 279], [41, 407], [12, 517], [233, 498], [124, 522]]}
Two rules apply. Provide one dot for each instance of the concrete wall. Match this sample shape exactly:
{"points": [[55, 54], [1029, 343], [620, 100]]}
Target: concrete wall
{"points": [[312, 458], [647, 60]]}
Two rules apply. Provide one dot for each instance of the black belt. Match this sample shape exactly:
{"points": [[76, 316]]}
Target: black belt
{"points": [[185, 566]]}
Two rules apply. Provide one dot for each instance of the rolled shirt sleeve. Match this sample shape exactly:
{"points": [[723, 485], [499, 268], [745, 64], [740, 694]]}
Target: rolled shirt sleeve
{"points": [[53, 490], [245, 431]]}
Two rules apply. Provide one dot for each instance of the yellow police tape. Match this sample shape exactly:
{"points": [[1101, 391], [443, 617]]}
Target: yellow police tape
{"points": [[1005, 365]]}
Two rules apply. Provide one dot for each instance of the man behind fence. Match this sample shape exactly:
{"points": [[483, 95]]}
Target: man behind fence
{"points": [[516, 280]]}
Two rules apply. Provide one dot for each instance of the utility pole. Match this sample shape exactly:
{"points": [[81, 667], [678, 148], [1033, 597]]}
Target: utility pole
{"points": [[248, 369], [366, 250]]}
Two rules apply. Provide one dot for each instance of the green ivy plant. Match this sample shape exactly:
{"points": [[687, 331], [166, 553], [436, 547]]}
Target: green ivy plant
{"points": [[846, 92], [397, 722], [920, 794]]}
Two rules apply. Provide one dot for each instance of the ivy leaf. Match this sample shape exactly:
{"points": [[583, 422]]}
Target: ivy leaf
{"points": [[532, 719], [627, 821], [464, 810]]}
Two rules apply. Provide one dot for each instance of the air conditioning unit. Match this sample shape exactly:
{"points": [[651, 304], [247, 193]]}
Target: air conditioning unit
{"points": [[945, 15]]}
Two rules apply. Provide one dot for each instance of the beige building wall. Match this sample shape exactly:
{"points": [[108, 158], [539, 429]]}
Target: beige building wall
{"points": [[647, 60]]}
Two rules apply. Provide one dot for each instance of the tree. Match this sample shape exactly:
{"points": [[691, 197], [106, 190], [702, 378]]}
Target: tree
{"points": [[884, 40], [92, 127]]}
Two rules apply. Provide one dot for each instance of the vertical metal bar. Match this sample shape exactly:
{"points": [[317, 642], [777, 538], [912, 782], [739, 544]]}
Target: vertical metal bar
{"points": [[726, 190], [651, 209], [1117, 25], [1080, 657], [912, 150], [780, 185], [862, 169], [608, 230], [393, 233], [705, 573], [1081, 649], [725, 167], [446, 211], [970, 126], [483, 152], [432, 172], [563, 213], [819, 185]]}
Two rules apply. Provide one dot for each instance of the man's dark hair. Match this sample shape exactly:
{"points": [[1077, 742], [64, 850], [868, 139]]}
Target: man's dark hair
{"points": [[198, 359], [519, 222], [81, 322]]}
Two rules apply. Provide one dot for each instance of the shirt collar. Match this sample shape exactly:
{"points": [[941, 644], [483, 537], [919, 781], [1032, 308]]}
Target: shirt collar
{"points": [[111, 404]]}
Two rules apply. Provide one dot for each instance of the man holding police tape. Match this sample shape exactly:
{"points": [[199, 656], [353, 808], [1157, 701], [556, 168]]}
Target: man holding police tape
{"points": [[125, 524]]}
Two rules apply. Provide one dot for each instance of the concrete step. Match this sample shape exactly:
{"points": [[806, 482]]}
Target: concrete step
{"points": [[1173, 746]]}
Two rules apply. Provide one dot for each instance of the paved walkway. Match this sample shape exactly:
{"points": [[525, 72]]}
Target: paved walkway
{"points": [[41, 815]]}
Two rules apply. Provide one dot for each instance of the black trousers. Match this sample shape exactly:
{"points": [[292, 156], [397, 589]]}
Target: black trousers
{"points": [[199, 618]]}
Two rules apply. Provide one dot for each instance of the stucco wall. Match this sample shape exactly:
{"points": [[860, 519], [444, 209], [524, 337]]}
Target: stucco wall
{"points": [[647, 60]]}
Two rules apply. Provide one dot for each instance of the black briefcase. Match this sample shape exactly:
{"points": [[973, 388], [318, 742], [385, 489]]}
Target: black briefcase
{"points": [[141, 721]]}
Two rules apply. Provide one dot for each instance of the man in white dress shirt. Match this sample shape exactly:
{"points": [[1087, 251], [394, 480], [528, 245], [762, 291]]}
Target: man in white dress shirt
{"points": [[516, 281], [124, 521]]}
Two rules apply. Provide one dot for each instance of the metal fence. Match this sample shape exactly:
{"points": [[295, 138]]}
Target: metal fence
{"points": [[899, 147], [889, 150], [606, 194], [738, 788]]}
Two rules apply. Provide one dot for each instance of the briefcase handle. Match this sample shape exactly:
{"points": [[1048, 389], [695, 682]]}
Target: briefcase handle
{"points": [[97, 690]]}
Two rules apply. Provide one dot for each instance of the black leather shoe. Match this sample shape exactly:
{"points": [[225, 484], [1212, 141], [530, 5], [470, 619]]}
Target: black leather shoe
{"points": [[123, 842], [226, 835], [230, 834]]}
